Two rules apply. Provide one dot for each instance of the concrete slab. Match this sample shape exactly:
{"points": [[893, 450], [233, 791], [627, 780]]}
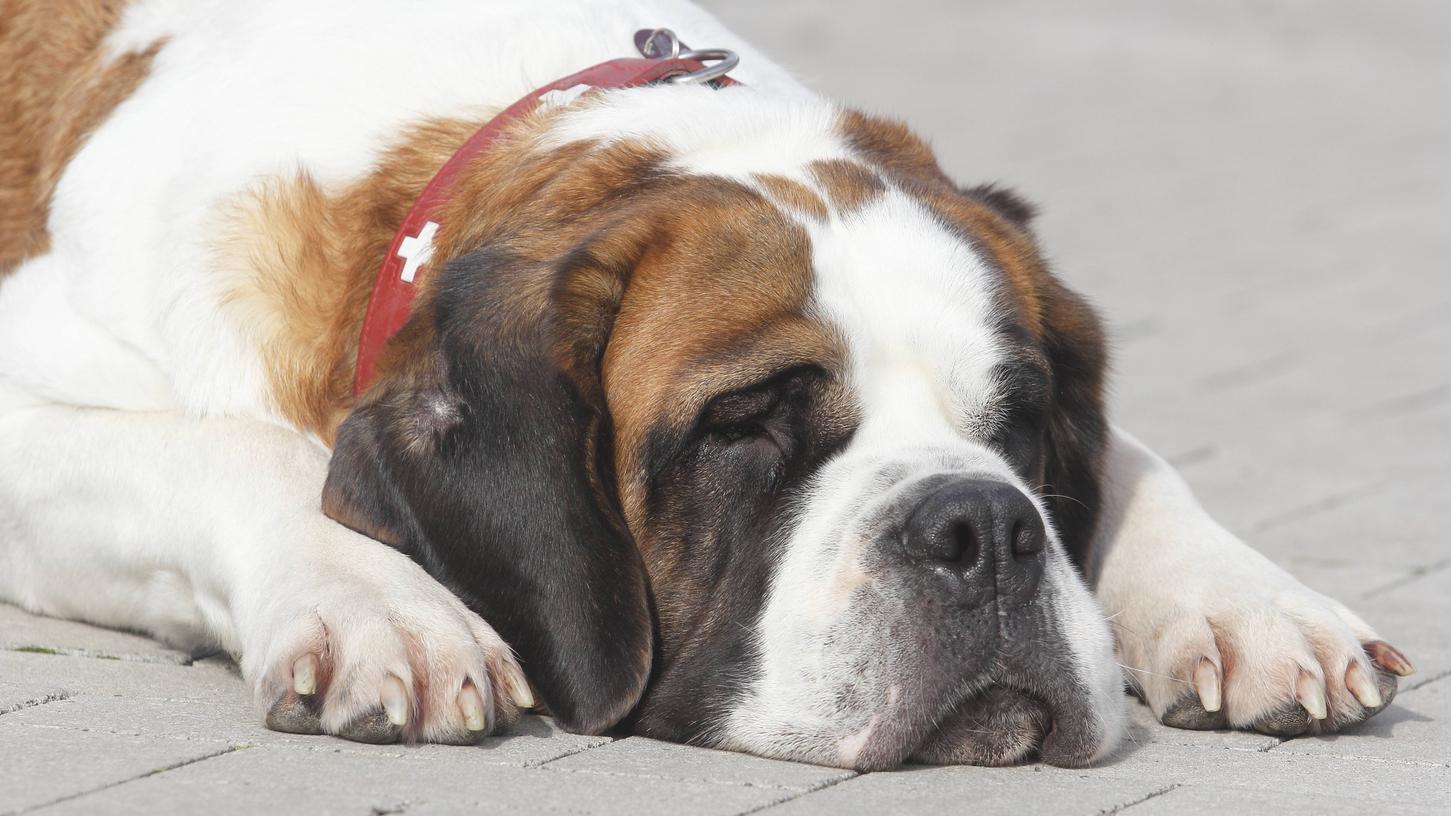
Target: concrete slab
{"points": [[271, 779], [1416, 731], [1037, 790], [1314, 777], [44, 765], [38, 673], [533, 741], [22, 631], [1205, 800], [645, 757]]}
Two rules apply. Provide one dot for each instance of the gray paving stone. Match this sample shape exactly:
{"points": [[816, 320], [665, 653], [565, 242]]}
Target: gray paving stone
{"points": [[33, 673], [1413, 615], [230, 719], [271, 779], [206, 722], [1037, 790], [40, 765], [1206, 800], [1416, 730], [1298, 773], [645, 757], [20, 630]]}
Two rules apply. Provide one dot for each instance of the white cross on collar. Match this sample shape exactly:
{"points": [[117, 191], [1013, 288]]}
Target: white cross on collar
{"points": [[557, 98], [416, 250]]}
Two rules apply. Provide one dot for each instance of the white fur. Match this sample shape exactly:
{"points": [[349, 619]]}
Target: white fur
{"points": [[712, 132], [206, 533], [1169, 577]]}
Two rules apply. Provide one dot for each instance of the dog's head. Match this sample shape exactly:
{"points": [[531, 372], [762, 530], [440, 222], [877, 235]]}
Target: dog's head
{"points": [[738, 420]]}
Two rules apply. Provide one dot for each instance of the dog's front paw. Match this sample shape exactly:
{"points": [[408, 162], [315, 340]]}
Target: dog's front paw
{"points": [[384, 657], [1271, 656]]}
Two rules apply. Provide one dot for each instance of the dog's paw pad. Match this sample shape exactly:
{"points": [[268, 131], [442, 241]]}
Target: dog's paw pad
{"points": [[1287, 721], [294, 715], [373, 727], [1189, 713]]}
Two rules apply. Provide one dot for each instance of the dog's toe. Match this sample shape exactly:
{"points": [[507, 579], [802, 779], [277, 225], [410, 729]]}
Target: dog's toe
{"points": [[372, 727], [1288, 721], [295, 714], [1189, 713]]}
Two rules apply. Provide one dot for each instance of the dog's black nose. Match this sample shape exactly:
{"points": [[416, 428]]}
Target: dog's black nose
{"points": [[983, 536]]}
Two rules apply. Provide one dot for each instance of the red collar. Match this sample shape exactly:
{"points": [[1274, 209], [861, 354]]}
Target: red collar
{"points": [[408, 255]]}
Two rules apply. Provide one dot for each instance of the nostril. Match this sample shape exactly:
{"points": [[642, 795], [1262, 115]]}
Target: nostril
{"points": [[963, 544], [1027, 537]]}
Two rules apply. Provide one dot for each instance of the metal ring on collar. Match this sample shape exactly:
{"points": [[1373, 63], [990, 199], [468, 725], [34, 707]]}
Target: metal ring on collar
{"points": [[647, 45], [724, 62]]}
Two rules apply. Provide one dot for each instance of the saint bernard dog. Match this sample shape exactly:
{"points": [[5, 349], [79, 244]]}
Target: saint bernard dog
{"points": [[721, 415]]}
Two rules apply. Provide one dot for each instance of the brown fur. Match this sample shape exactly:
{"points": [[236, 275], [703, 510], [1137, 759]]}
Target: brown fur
{"points": [[719, 307], [848, 185], [794, 196], [301, 265], [890, 145], [55, 89]]}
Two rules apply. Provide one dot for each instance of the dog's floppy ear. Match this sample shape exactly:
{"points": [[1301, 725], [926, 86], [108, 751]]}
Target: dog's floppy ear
{"points": [[483, 453], [1077, 431], [1005, 202]]}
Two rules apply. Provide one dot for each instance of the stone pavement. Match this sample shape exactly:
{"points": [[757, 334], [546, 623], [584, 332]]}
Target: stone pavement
{"points": [[1257, 194]]}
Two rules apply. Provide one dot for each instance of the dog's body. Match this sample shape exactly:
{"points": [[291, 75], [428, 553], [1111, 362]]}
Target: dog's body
{"points": [[723, 406]]}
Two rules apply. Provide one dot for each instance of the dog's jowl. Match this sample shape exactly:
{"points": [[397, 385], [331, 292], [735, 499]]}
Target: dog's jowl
{"points": [[715, 412]]}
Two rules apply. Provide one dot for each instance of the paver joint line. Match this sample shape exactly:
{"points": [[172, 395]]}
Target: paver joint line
{"points": [[798, 794], [540, 763], [153, 772], [666, 777], [1142, 799], [1414, 575], [63, 651], [53, 697], [1426, 681]]}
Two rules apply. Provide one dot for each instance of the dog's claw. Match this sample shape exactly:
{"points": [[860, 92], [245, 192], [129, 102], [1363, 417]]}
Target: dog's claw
{"points": [[394, 699], [471, 706], [1311, 694], [1206, 683], [1390, 658], [304, 675], [1358, 681], [517, 687]]}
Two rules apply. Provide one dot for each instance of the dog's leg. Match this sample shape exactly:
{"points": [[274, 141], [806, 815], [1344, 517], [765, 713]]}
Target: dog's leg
{"points": [[1211, 633], [209, 532]]}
